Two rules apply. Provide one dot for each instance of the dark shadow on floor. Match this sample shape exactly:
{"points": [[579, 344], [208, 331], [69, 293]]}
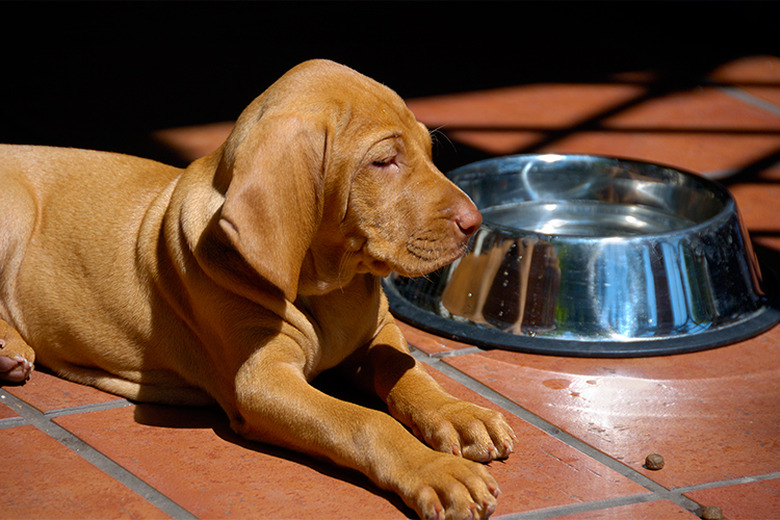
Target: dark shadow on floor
{"points": [[214, 418]]}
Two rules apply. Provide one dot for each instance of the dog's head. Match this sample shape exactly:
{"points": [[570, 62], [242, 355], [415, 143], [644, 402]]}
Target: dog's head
{"points": [[328, 174]]}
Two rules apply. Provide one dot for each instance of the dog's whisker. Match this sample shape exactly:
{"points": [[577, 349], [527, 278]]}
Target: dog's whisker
{"points": [[436, 133]]}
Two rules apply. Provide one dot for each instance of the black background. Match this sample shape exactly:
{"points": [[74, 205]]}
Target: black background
{"points": [[104, 74]]}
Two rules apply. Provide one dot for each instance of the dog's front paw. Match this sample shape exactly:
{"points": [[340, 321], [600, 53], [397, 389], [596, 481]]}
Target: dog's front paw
{"points": [[15, 369], [16, 356], [446, 487], [467, 430]]}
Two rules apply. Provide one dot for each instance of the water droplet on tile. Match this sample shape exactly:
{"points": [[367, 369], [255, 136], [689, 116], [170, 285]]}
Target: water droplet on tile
{"points": [[557, 384]]}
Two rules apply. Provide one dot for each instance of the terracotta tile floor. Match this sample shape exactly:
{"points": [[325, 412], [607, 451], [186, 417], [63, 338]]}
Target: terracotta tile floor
{"points": [[585, 425]]}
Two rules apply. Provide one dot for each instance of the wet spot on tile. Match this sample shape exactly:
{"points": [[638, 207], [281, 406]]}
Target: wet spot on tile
{"points": [[557, 384]]}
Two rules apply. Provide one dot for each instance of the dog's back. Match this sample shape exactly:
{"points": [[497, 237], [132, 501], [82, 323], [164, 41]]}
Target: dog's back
{"points": [[69, 225]]}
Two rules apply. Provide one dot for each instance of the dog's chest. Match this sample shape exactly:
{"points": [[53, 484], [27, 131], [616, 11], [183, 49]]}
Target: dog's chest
{"points": [[343, 323]]}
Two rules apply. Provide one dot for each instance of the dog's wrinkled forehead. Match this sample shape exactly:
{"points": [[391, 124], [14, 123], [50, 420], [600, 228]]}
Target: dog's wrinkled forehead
{"points": [[346, 106], [341, 93]]}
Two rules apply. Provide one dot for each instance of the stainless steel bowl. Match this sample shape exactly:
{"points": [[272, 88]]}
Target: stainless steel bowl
{"points": [[594, 256]]}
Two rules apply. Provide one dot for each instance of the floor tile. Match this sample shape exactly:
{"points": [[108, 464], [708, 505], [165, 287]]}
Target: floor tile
{"points": [[193, 458], [6, 412], [544, 472], [41, 478], [751, 501], [430, 343], [709, 413], [756, 205], [702, 129], [704, 154], [757, 75], [658, 510], [756, 199], [696, 110], [193, 142], [505, 121], [47, 392], [762, 229], [540, 105]]}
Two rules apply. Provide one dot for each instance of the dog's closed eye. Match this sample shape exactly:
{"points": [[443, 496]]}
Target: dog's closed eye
{"points": [[387, 164]]}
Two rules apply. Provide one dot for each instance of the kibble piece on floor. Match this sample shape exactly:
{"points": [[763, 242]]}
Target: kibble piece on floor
{"points": [[654, 461], [711, 513]]}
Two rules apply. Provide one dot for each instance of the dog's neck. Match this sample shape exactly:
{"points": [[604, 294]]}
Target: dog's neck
{"points": [[321, 274]]}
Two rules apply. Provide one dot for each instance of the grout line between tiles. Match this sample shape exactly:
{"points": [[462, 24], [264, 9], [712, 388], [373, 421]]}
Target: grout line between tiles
{"points": [[20, 403], [458, 352], [12, 422], [726, 483], [749, 98], [94, 407], [496, 398], [597, 505], [42, 421]]}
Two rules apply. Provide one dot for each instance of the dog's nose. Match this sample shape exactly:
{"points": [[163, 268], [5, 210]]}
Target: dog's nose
{"points": [[468, 219]]}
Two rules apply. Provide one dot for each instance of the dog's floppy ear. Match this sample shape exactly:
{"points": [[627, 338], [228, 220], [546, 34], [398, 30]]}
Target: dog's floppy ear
{"points": [[273, 202]]}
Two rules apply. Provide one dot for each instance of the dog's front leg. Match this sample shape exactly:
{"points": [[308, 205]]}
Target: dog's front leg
{"points": [[276, 404], [444, 422]]}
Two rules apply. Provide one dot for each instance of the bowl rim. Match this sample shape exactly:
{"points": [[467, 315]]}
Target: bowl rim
{"points": [[729, 203]]}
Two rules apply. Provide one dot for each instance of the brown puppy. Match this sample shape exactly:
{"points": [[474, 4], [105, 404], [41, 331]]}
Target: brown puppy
{"points": [[243, 276]]}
